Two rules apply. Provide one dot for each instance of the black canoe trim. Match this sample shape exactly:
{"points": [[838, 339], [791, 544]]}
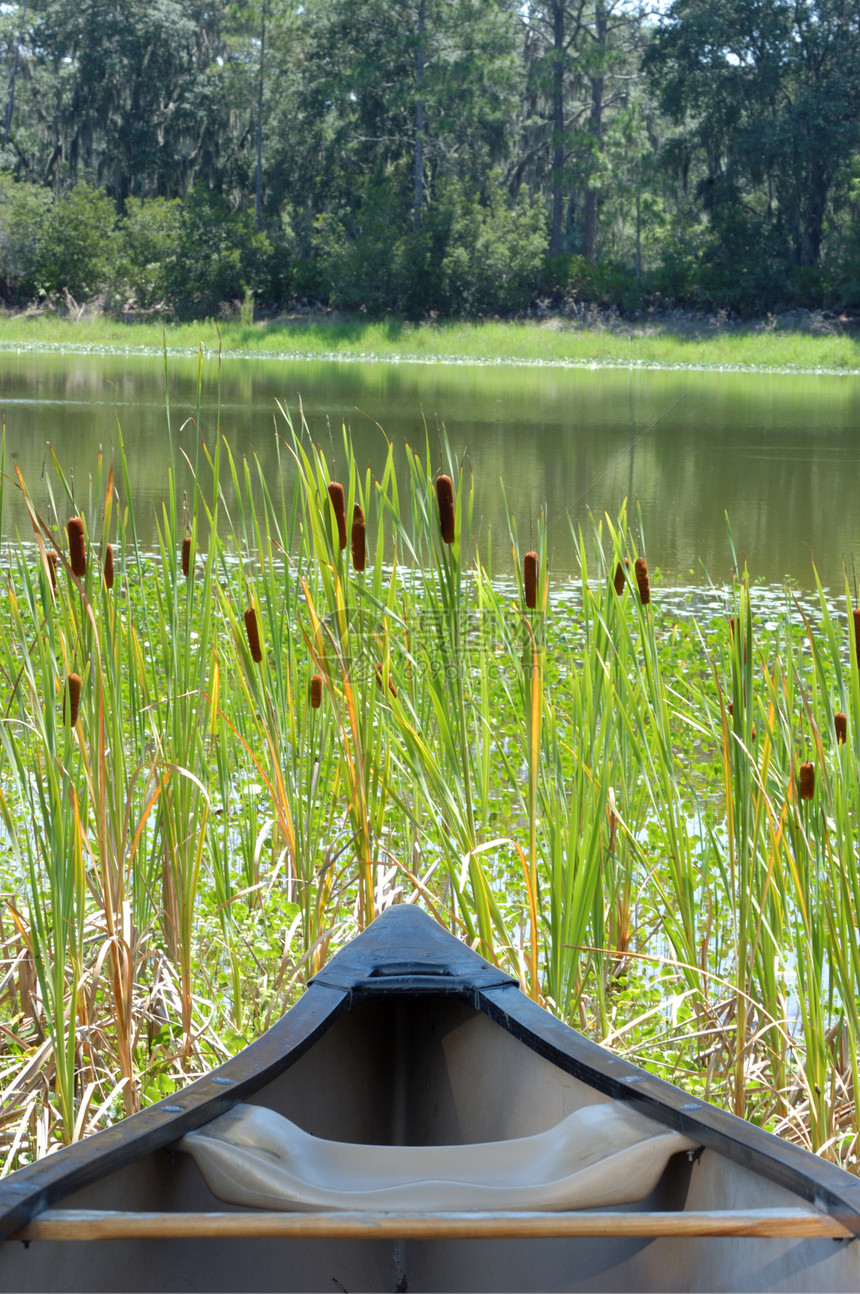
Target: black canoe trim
{"points": [[406, 953], [26, 1193]]}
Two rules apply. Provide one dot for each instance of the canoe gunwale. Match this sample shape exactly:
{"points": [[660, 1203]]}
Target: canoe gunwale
{"points": [[820, 1183], [39, 1186], [375, 966]]}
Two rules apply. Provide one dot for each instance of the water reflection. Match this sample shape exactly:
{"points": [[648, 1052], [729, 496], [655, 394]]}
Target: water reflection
{"points": [[778, 453]]}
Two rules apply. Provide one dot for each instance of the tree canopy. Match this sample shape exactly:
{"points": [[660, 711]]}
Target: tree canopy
{"points": [[423, 156]]}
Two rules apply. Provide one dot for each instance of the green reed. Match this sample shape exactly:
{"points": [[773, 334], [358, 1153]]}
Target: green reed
{"points": [[598, 796]]}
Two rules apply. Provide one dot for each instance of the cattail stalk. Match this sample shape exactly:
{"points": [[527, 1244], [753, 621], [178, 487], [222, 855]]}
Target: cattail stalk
{"points": [[445, 500], [316, 691], [840, 723], [530, 578], [733, 624], [186, 555], [73, 688], [359, 538], [77, 547], [642, 580], [335, 493], [252, 632], [392, 689], [807, 781], [857, 637], [108, 567]]}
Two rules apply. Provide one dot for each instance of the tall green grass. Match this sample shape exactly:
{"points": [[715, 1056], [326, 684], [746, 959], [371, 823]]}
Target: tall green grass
{"points": [[598, 795], [557, 341]]}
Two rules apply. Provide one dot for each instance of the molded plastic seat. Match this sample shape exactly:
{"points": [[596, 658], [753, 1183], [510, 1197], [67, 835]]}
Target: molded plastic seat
{"points": [[599, 1156]]}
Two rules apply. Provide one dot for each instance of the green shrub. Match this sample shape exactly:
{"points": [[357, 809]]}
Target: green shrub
{"points": [[494, 250], [364, 256], [220, 257], [149, 250], [77, 250], [24, 210]]}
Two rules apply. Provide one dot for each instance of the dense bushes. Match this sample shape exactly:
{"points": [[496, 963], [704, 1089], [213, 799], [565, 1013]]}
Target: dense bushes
{"points": [[196, 257], [475, 253]]}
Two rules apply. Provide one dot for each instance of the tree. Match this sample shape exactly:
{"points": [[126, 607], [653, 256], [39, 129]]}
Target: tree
{"points": [[770, 93], [582, 59], [129, 94], [426, 84]]}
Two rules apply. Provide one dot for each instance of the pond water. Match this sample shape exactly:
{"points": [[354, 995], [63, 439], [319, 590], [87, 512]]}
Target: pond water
{"points": [[778, 453]]}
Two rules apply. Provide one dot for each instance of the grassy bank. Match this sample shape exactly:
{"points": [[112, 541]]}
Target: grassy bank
{"points": [[224, 758], [555, 341]]}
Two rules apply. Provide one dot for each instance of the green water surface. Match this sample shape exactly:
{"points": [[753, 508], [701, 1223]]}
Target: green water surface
{"points": [[779, 453]]}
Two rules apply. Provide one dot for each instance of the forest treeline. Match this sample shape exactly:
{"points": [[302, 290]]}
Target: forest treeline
{"points": [[430, 156]]}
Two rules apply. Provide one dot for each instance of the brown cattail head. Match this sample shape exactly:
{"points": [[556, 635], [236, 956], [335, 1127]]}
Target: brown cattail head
{"points": [[392, 689], [186, 555], [857, 636], [641, 569], [77, 547], [335, 493], [807, 781], [252, 632], [840, 723], [445, 499], [53, 558], [73, 687], [731, 708], [108, 568], [359, 537], [620, 579], [530, 578], [316, 691]]}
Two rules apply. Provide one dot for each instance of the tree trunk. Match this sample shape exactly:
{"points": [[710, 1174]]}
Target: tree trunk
{"points": [[258, 203], [595, 126], [10, 101], [557, 128], [418, 191]]}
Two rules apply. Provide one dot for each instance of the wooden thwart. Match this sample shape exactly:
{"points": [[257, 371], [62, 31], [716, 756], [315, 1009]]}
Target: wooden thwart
{"points": [[85, 1224]]}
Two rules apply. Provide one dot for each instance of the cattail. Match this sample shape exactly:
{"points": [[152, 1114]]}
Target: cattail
{"points": [[252, 633], [77, 547], [530, 578], [731, 708], [108, 568], [73, 687], [620, 578], [316, 691], [445, 499], [807, 781], [641, 569], [392, 689], [53, 558], [335, 493], [359, 534], [840, 723], [186, 555], [857, 636]]}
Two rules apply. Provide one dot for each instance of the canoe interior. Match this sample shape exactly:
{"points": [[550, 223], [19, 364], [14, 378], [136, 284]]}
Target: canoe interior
{"points": [[422, 1071]]}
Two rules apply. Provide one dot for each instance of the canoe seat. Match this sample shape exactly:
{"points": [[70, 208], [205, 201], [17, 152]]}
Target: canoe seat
{"points": [[597, 1157]]}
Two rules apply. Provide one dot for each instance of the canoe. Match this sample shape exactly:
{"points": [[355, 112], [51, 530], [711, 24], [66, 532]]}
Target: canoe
{"points": [[416, 1122]]}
